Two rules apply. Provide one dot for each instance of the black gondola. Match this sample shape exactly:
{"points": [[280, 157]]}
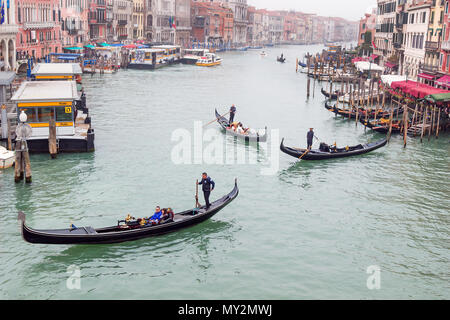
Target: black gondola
{"points": [[333, 95], [351, 113], [382, 127], [303, 65], [325, 152], [282, 60], [125, 232]]}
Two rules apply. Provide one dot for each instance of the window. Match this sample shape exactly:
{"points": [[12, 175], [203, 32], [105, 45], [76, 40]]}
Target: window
{"points": [[63, 114], [45, 114]]}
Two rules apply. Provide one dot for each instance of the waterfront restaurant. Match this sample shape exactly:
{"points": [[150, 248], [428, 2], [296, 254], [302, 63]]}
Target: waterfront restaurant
{"points": [[45, 100]]}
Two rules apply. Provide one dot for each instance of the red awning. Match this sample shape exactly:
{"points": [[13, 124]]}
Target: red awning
{"points": [[416, 89], [373, 57], [444, 81], [130, 46], [425, 76], [390, 65]]}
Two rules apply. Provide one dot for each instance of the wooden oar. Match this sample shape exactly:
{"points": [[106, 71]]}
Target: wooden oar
{"points": [[307, 150], [215, 120], [197, 204]]}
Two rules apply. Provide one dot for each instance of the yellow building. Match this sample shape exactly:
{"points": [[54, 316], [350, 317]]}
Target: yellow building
{"points": [[434, 38], [138, 19]]}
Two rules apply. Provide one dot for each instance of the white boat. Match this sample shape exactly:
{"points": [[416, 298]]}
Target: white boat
{"points": [[209, 60], [6, 158], [191, 56]]}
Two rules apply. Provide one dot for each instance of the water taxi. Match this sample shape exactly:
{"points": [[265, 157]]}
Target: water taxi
{"points": [[191, 56], [45, 100], [147, 59], [209, 60]]}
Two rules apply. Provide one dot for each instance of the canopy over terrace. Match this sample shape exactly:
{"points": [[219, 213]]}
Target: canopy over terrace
{"points": [[444, 81], [438, 98], [416, 89], [389, 78], [366, 66], [62, 69]]}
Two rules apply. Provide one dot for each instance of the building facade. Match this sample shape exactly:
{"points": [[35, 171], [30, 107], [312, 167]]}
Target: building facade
{"points": [[415, 36], [39, 28], [122, 20], [386, 15], [74, 23], [8, 37]]}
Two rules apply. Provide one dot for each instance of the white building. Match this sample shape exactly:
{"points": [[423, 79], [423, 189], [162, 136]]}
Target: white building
{"points": [[386, 15], [415, 36], [8, 33]]}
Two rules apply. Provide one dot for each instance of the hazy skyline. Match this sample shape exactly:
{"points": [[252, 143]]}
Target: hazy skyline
{"points": [[348, 9]]}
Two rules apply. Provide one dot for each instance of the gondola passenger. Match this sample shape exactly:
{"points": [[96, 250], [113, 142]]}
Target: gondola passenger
{"points": [[156, 217]]}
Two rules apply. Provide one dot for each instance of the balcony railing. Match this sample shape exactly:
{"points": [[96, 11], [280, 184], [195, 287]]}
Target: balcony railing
{"points": [[431, 45], [445, 45], [38, 25], [429, 68], [122, 22]]}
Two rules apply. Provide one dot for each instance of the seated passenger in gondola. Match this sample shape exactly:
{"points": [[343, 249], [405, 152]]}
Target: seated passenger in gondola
{"points": [[167, 215], [324, 147], [234, 125], [156, 217]]}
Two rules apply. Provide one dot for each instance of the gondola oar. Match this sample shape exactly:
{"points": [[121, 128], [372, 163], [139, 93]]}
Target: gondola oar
{"points": [[215, 120], [197, 204], [307, 150]]}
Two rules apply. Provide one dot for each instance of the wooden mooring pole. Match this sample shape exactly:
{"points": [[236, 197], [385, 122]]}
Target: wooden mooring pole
{"points": [[52, 146], [22, 162]]}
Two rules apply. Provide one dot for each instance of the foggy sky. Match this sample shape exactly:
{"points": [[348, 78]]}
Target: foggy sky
{"points": [[348, 9]]}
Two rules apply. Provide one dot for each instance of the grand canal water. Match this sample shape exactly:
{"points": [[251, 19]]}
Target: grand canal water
{"points": [[310, 230]]}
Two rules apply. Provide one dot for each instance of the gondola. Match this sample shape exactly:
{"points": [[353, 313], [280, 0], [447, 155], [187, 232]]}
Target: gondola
{"points": [[125, 231], [224, 123], [282, 60], [382, 127], [333, 95], [322, 154], [351, 113], [303, 65]]}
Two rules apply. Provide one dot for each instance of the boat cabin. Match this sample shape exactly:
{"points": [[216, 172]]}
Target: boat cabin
{"points": [[171, 53], [147, 58], [66, 57], [191, 56], [57, 72], [45, 100]]}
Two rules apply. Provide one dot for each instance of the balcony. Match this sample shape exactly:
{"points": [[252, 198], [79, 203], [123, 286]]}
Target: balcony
{"points": [[432, 45], [122, 22], [445, 45], [38, 25], [429, 68]]}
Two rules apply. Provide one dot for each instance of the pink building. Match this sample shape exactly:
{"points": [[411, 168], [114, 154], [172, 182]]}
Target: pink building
{"points": [[367, 24], [445, 46], [39, 27], [98, 25], [74, 23]]}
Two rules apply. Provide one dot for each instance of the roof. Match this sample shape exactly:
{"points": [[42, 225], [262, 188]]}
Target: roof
{"points": [[166, 47], [366, 66], [151, 50], [416, 89], [389, 78], [35, 91], [6, 78], [57, 69]]}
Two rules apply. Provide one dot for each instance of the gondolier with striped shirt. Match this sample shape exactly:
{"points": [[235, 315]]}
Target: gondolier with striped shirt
{"points": [[232, 113], [207, 186]]}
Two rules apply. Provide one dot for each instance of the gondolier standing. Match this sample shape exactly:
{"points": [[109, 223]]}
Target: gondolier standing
{"points": [[232, 113], [309, 138], [207, 186]]}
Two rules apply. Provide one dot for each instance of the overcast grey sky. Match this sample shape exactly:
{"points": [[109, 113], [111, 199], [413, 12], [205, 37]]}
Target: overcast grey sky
{"points": [[348, 9]]}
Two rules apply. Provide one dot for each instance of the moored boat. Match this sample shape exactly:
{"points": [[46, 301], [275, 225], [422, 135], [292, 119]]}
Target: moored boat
{"points": [[6, 158], [325, 152], [191, 56], [124, 231], [257, 135]]}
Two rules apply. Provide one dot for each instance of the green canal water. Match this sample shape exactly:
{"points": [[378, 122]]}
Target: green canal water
{"points": [[309, 230]]}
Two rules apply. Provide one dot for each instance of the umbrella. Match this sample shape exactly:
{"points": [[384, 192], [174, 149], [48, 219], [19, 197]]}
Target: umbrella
{"points": [[130, 46]]}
